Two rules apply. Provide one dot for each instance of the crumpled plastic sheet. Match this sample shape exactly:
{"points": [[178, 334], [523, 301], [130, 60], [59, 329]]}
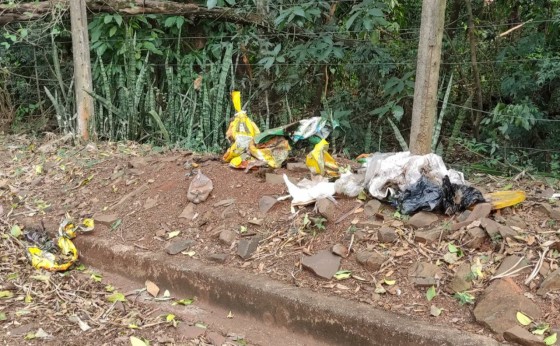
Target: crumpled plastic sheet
{"points": [[446, 197], [390, 173], [308, 191]]}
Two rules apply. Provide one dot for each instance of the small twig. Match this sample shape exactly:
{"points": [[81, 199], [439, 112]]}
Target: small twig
{"points": [[510, 271], [350, 246], [537, 267]]}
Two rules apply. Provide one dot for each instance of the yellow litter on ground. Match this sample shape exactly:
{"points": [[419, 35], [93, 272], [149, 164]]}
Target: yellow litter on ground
{"points": [[319, 161], [503, 199]]}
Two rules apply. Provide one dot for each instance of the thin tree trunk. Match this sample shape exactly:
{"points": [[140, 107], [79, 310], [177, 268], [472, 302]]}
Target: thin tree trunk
{"points": [[475, 72]]}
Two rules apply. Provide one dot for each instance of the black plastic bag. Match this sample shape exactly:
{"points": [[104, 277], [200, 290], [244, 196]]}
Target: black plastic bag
{"points": [[428, 196]]}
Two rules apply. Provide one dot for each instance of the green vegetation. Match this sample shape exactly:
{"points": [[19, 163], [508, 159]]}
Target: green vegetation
{"points": [[166, 79]]}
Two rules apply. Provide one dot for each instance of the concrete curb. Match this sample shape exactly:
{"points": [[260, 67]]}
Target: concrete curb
{"points": [[274, 303]]}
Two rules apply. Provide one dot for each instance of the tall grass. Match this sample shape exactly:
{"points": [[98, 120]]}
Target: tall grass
{"points": [[140, 100]]}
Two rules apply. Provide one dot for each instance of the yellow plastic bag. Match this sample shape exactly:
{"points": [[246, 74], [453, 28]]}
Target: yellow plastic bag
{"points": [[319, 161], [503, 199], [45, 260], [241, 132], [273, 152]]}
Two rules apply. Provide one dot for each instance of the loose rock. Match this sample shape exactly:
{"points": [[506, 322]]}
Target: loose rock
{"points": [[227, 237], [424, 274], [545, 208], [247, 247], [522, 336], [199, 188], [429, 236], [480, 211], [371, 208], [218, 257], [551, 283], [499, 304], [266, 203], [326, 208], [515, 221], [324, 264], [178, 245], [340, 250], [188, 213], [137, 162], [274, 179], [462, 281], [105, 219], [387, 235], [150, 203], [225, 202], [297, 167], [508, 265], [422, 219], [475, 238], [370, 260]]}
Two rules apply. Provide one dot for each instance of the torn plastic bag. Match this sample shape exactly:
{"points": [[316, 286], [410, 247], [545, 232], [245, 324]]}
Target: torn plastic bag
{"points": [[45, 260], [199, 188], [274, 152], [446, 197], [349, 184], [314, 129], [319, 161], [390, 173], [309, 191]]}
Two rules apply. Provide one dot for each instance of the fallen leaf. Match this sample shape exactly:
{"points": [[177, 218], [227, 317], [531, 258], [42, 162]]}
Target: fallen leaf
{"points": [[379, 289], [540, 329], [389, 282], [152, 288], [166, 294], [3, 316], [134, 341], [523, 319], [431, 293], [41, 334], [28, 299], [43, 278], [6, 294], [230, 315], [550, 340], [15, 231], [109, 288], [342, 274], [435, 311], [342, 287], [450, 257], [183, 302], [116, 297], [173, 234], [200, 325], [96, 277], [189, 253], [169, 317]]}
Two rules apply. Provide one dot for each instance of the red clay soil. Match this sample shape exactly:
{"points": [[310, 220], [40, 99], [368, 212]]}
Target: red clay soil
{"points": [[165, 178]]}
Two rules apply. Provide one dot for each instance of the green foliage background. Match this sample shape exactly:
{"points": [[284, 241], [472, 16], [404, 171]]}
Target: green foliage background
{"points": [[166, 79]]}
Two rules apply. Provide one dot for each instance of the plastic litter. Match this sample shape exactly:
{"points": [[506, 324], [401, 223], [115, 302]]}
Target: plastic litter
{"points": [[350, 184], [503, 199], [42, 255], [319, 161], [447, 198], [199, 188], [390, 173], [309, 191]]}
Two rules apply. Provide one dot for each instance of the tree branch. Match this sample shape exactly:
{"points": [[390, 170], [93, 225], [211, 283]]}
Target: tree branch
{"points": [[37, 10]]}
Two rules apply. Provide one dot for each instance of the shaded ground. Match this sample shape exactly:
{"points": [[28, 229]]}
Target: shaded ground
{"points": [[141, 194]]}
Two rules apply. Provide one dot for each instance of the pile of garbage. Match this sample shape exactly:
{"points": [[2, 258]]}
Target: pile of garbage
{"points": [[412, 183]]}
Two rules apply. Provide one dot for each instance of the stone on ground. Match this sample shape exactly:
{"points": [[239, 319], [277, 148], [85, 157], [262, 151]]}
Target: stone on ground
{"points": [[371, 208], [551, 283], [274, 179], [424, 274], [340, 250], [508, 265], [522, 337], [266, 203], [548, 210], [462, 280], [297, 167], [218, 257], [105, 219], [178, 245], [323, 264], [188, 213], [475, 237], [429, 236], [480, 211], [422, 219], [499, 304], [247, 247], [387, 235], [227, 237], [326, 208], [370, 260]]}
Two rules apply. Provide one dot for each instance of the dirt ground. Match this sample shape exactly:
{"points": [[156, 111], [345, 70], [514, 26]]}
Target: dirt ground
{"points": [[144, 191]]}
